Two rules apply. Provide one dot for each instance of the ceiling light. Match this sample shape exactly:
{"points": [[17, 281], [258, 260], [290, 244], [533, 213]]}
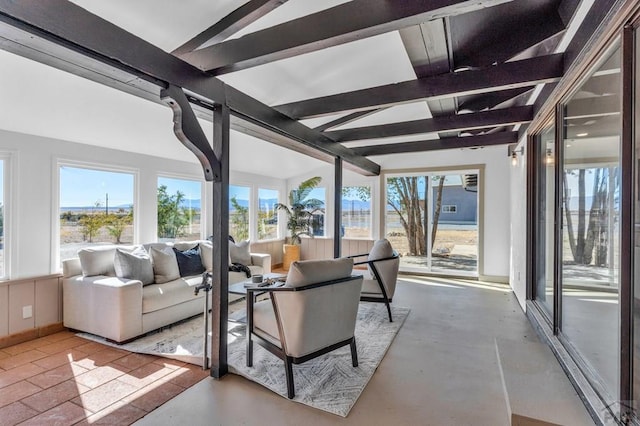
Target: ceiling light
{"points": [[582, 135]]}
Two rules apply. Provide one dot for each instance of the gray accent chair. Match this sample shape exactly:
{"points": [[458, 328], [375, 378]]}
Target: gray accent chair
{"points": [[312, 313], [379, 283]]}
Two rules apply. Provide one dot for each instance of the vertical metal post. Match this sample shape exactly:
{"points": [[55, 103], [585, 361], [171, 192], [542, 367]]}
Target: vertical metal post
{"points": [[558, 160], [337, 208], [220, 209]]}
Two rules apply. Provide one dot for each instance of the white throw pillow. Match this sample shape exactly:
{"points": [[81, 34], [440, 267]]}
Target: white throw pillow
{"points": [[239, 252], [303, 272], [165, 265], [381, 250], [97, 260], [135, 265]]}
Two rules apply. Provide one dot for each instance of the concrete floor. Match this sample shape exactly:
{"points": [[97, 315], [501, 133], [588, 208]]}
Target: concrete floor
{"points": [[443, 368]]}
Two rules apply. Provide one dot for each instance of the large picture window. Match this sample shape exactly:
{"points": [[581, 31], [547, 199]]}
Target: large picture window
{"points": [[239, 197], [179, 209], [267, 214], [356, 212], [3, 217], [96, 207]]}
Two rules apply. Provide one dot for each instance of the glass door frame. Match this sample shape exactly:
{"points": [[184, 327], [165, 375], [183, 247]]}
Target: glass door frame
{"points": [[461, 169], [629, 52]]}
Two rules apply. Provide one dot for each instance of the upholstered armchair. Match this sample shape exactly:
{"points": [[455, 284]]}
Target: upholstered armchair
{"points": [[314, 312], [379, 283]]}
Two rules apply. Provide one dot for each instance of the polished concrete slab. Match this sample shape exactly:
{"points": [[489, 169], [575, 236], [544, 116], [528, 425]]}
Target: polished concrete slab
{"points": [[442, 369]]}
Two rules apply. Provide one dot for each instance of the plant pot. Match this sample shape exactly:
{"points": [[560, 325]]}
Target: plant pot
{"points": [[291, 253]]}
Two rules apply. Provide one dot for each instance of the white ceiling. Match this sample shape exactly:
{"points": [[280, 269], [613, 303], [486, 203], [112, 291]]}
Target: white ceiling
{"points": [[49, 102]]}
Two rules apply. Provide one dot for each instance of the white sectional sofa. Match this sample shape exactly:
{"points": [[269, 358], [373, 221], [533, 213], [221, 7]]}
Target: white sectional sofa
{"points": [[98, 301]]}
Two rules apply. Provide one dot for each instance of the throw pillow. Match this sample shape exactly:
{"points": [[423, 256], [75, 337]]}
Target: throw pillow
{"points": [[189, 262], [135, 265], [239, 252], [381, 249], [97, 260], [165, 265]]}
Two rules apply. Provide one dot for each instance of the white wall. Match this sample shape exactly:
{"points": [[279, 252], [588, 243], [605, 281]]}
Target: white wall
{"points": [[517, 273], [33, 192]]}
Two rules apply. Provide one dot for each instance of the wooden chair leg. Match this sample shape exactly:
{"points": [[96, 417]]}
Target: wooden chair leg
{"points": [[288, 367], [354, 353]]}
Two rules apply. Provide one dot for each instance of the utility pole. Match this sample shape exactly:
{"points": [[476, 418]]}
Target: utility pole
{"points": [[107, 204]]}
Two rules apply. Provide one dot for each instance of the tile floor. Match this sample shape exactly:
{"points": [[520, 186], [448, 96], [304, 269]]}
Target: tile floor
{"points": [[62, 379]]}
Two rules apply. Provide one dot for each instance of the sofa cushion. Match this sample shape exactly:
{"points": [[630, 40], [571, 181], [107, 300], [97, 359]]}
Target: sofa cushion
{"points": [[97, 260], [303, 272], [185, 245], [206, 254], [135, 265], [239, 252], [165, 265], [381, 250], [160, 296], [189, 262]]}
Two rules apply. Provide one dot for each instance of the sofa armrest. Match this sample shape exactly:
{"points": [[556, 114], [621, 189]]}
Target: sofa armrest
{"points": [[263, 260], [110, 307], [71, 267]]}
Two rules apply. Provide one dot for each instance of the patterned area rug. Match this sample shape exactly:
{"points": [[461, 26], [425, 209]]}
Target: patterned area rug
{"points": [[329, 382]]}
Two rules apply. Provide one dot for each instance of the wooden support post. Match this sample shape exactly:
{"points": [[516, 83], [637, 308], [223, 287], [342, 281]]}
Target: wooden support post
{"points": [[337, 209], [220, 210]]}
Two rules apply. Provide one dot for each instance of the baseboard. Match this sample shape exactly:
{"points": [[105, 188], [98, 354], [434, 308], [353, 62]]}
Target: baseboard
{"points": [[494, 279], [31, 334]]}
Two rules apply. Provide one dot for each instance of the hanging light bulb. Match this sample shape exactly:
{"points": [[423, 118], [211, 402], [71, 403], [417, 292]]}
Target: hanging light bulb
{"points": [[514, 159]]}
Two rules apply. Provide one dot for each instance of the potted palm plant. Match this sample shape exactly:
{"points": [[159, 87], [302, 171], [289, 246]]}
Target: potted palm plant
{"points": [[299, 217]]}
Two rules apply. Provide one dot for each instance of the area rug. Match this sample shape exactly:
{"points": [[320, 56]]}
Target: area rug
{"points": [[329, 383]]}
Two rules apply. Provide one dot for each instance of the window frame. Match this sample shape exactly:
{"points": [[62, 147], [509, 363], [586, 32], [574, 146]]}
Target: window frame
{"points": [[58, 163], [9, 158], [254, 215]]}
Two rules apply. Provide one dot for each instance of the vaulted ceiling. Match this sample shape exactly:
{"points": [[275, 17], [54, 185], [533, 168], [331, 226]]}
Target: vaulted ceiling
{"points": [[359, 79]]}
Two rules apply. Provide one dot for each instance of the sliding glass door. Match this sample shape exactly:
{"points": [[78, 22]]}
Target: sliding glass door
{"points": [[432, 220]]}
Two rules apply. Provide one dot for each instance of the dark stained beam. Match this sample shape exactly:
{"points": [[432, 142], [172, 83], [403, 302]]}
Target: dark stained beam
{"points": [[190, 133], [230, 24], [510, 75], [450, 123], [354, 20], [490, 100], [501, 138], [108, 50], [337, 208], [256, 112], [349, 118]]}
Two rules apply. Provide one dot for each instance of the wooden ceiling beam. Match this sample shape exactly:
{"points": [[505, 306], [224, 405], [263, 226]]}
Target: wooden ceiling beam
{"points": [[230, 24], [501, 138], [510, 75], [449, 123], [350, 21], [114, 51], [349, 118]]}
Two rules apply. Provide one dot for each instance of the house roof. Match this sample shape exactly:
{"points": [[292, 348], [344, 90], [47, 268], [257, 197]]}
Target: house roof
{"points": [[360, 79]]}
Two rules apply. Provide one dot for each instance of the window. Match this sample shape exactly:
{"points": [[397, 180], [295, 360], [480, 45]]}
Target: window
{"points": [[179, 209], [317, 221], [239, 197], [96, 207], [356, 212], [449, 208], [267, 214]]}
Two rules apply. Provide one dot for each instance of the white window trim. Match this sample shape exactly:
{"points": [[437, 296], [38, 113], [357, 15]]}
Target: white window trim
{"points": [[9, 179], [55, 201]]}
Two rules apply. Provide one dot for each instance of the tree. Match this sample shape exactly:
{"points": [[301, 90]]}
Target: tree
{"points": [[300, 209], [239, 220], [172, 219], [90, 224], [438, 208], [403, 197], [117, 223]]}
